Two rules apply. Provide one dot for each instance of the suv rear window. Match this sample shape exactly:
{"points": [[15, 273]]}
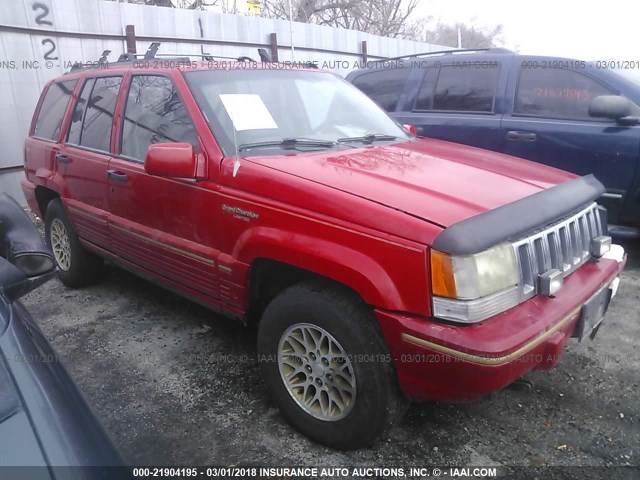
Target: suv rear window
{"points": [[460, 89], [384, 86], [51, 112]]}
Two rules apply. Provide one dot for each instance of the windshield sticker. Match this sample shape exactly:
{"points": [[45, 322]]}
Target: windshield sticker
{"points": [[247, 111]]}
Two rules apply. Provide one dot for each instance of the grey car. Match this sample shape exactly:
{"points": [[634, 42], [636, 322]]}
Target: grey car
{"points": [[47, 430]]}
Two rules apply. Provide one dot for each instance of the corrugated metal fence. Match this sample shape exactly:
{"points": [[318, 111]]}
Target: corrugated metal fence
{"points": [[40, 39]]}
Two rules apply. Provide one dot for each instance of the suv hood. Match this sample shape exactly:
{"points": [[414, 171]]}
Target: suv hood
{"points": [[437, 181]]}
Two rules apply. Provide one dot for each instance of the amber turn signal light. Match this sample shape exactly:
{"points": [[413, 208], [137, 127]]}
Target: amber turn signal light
{"points": [[442, 280]]}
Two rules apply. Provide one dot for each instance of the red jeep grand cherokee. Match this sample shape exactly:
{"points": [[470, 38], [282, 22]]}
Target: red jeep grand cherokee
{"points": [[380, 267]]}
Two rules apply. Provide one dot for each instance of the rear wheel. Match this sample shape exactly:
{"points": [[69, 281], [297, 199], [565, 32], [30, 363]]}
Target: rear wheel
{"points": [[327, 366], [77, 266]]}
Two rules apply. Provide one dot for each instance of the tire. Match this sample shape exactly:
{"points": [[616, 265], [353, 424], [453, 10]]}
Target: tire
{"points": [[77, 267], [311, 308]]}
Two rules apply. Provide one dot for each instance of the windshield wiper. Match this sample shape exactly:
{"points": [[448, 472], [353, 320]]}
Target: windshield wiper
{"points": [[289, 144], [369, 138]]}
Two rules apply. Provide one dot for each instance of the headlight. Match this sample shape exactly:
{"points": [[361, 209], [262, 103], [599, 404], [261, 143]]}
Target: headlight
{"points": [[473, 276], [474, 287]]}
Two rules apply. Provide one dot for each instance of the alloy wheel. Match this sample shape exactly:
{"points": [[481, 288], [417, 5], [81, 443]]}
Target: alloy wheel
{"points": [[317, 372], [60, 244]]}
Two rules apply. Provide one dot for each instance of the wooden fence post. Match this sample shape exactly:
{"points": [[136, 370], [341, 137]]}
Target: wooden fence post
{"points": [[274, 47], [130, 32]]}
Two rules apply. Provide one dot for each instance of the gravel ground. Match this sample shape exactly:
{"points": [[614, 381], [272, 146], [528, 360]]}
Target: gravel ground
{"points": [[175, 384]]}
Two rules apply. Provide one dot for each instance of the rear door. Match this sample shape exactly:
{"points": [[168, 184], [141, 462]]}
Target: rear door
{"points": [[164, 225], [458, 98], [548, 121], [385, 86], [43, 144], [83, 160]]}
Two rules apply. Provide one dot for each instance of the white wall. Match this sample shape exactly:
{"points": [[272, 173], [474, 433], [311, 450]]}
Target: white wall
{"points": [[62, 31]]}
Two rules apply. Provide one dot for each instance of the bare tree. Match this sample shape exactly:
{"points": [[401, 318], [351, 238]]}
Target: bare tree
{"points": [[448, 35], [389, 18], [187, 4]]}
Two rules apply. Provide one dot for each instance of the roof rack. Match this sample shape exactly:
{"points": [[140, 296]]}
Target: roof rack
{"points": [[452, 51], [152, 53]]}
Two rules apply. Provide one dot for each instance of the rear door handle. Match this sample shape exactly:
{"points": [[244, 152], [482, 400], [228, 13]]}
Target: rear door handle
{"points": [[522, 136], [117, 176], [62, 158]]}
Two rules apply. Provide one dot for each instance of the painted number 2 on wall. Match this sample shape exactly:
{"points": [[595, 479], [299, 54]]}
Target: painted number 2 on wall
{"points": [[42, 18]]}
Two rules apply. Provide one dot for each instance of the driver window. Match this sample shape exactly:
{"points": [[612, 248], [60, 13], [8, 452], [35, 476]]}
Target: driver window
{"points": [[154, 113], [556, 93]]}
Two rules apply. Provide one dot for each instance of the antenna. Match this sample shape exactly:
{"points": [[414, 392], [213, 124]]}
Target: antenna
{"points": [[293, 53]]}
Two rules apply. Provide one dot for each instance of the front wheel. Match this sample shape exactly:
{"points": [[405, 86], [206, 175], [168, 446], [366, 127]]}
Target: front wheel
{"points": [[77, 267], [327, 366]]}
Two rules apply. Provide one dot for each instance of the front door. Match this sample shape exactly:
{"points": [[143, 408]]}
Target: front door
{"points": [[166, 226], [459, 101], [550, 123]]}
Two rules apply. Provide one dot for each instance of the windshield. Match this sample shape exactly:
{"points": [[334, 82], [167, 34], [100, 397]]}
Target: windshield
{"points": [[264, 112]]}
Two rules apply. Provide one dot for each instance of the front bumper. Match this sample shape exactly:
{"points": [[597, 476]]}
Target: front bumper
{"points": [[442, 361]]}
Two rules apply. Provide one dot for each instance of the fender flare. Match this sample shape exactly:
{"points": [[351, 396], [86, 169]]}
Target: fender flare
{"points": [[340, 263]]}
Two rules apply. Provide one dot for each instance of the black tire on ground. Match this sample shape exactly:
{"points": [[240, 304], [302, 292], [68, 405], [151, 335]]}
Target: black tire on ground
{"points": [[378, 403], [80, 267]]}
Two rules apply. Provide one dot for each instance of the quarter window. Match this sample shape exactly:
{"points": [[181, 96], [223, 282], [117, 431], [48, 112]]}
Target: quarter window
{"points": [[461, 89], [52, 111], [384, 86], [556, 93], [98, 119], [154, 114]]}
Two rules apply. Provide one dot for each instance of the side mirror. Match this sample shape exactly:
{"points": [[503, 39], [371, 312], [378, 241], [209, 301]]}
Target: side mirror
{"points": [[173, 160], [610, 106], [14, 283], [410, 128], [25, 261]]}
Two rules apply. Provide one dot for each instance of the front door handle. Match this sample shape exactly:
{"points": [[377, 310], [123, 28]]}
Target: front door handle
{"points": [[117, 176], [522, 136], [62, 158]]}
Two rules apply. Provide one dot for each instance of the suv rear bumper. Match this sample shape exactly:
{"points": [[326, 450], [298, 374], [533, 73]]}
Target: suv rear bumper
{"points": [[442, 361]]}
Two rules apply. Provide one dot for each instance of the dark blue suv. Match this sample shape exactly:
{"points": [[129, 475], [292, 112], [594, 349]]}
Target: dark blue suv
{"points": [[575, 115]]}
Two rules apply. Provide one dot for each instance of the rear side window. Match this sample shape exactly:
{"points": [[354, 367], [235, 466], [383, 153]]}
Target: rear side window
{"points": [[154, 114], [98, 119], [51, 112], [73, 137], [384, 86], [460, 89], [556, 93]]}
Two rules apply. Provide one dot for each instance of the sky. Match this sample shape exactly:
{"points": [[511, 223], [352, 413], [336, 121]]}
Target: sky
{"points": [[586, 30]]}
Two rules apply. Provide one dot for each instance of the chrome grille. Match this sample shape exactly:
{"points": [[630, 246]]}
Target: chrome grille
{"points": [[564, 246]]}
